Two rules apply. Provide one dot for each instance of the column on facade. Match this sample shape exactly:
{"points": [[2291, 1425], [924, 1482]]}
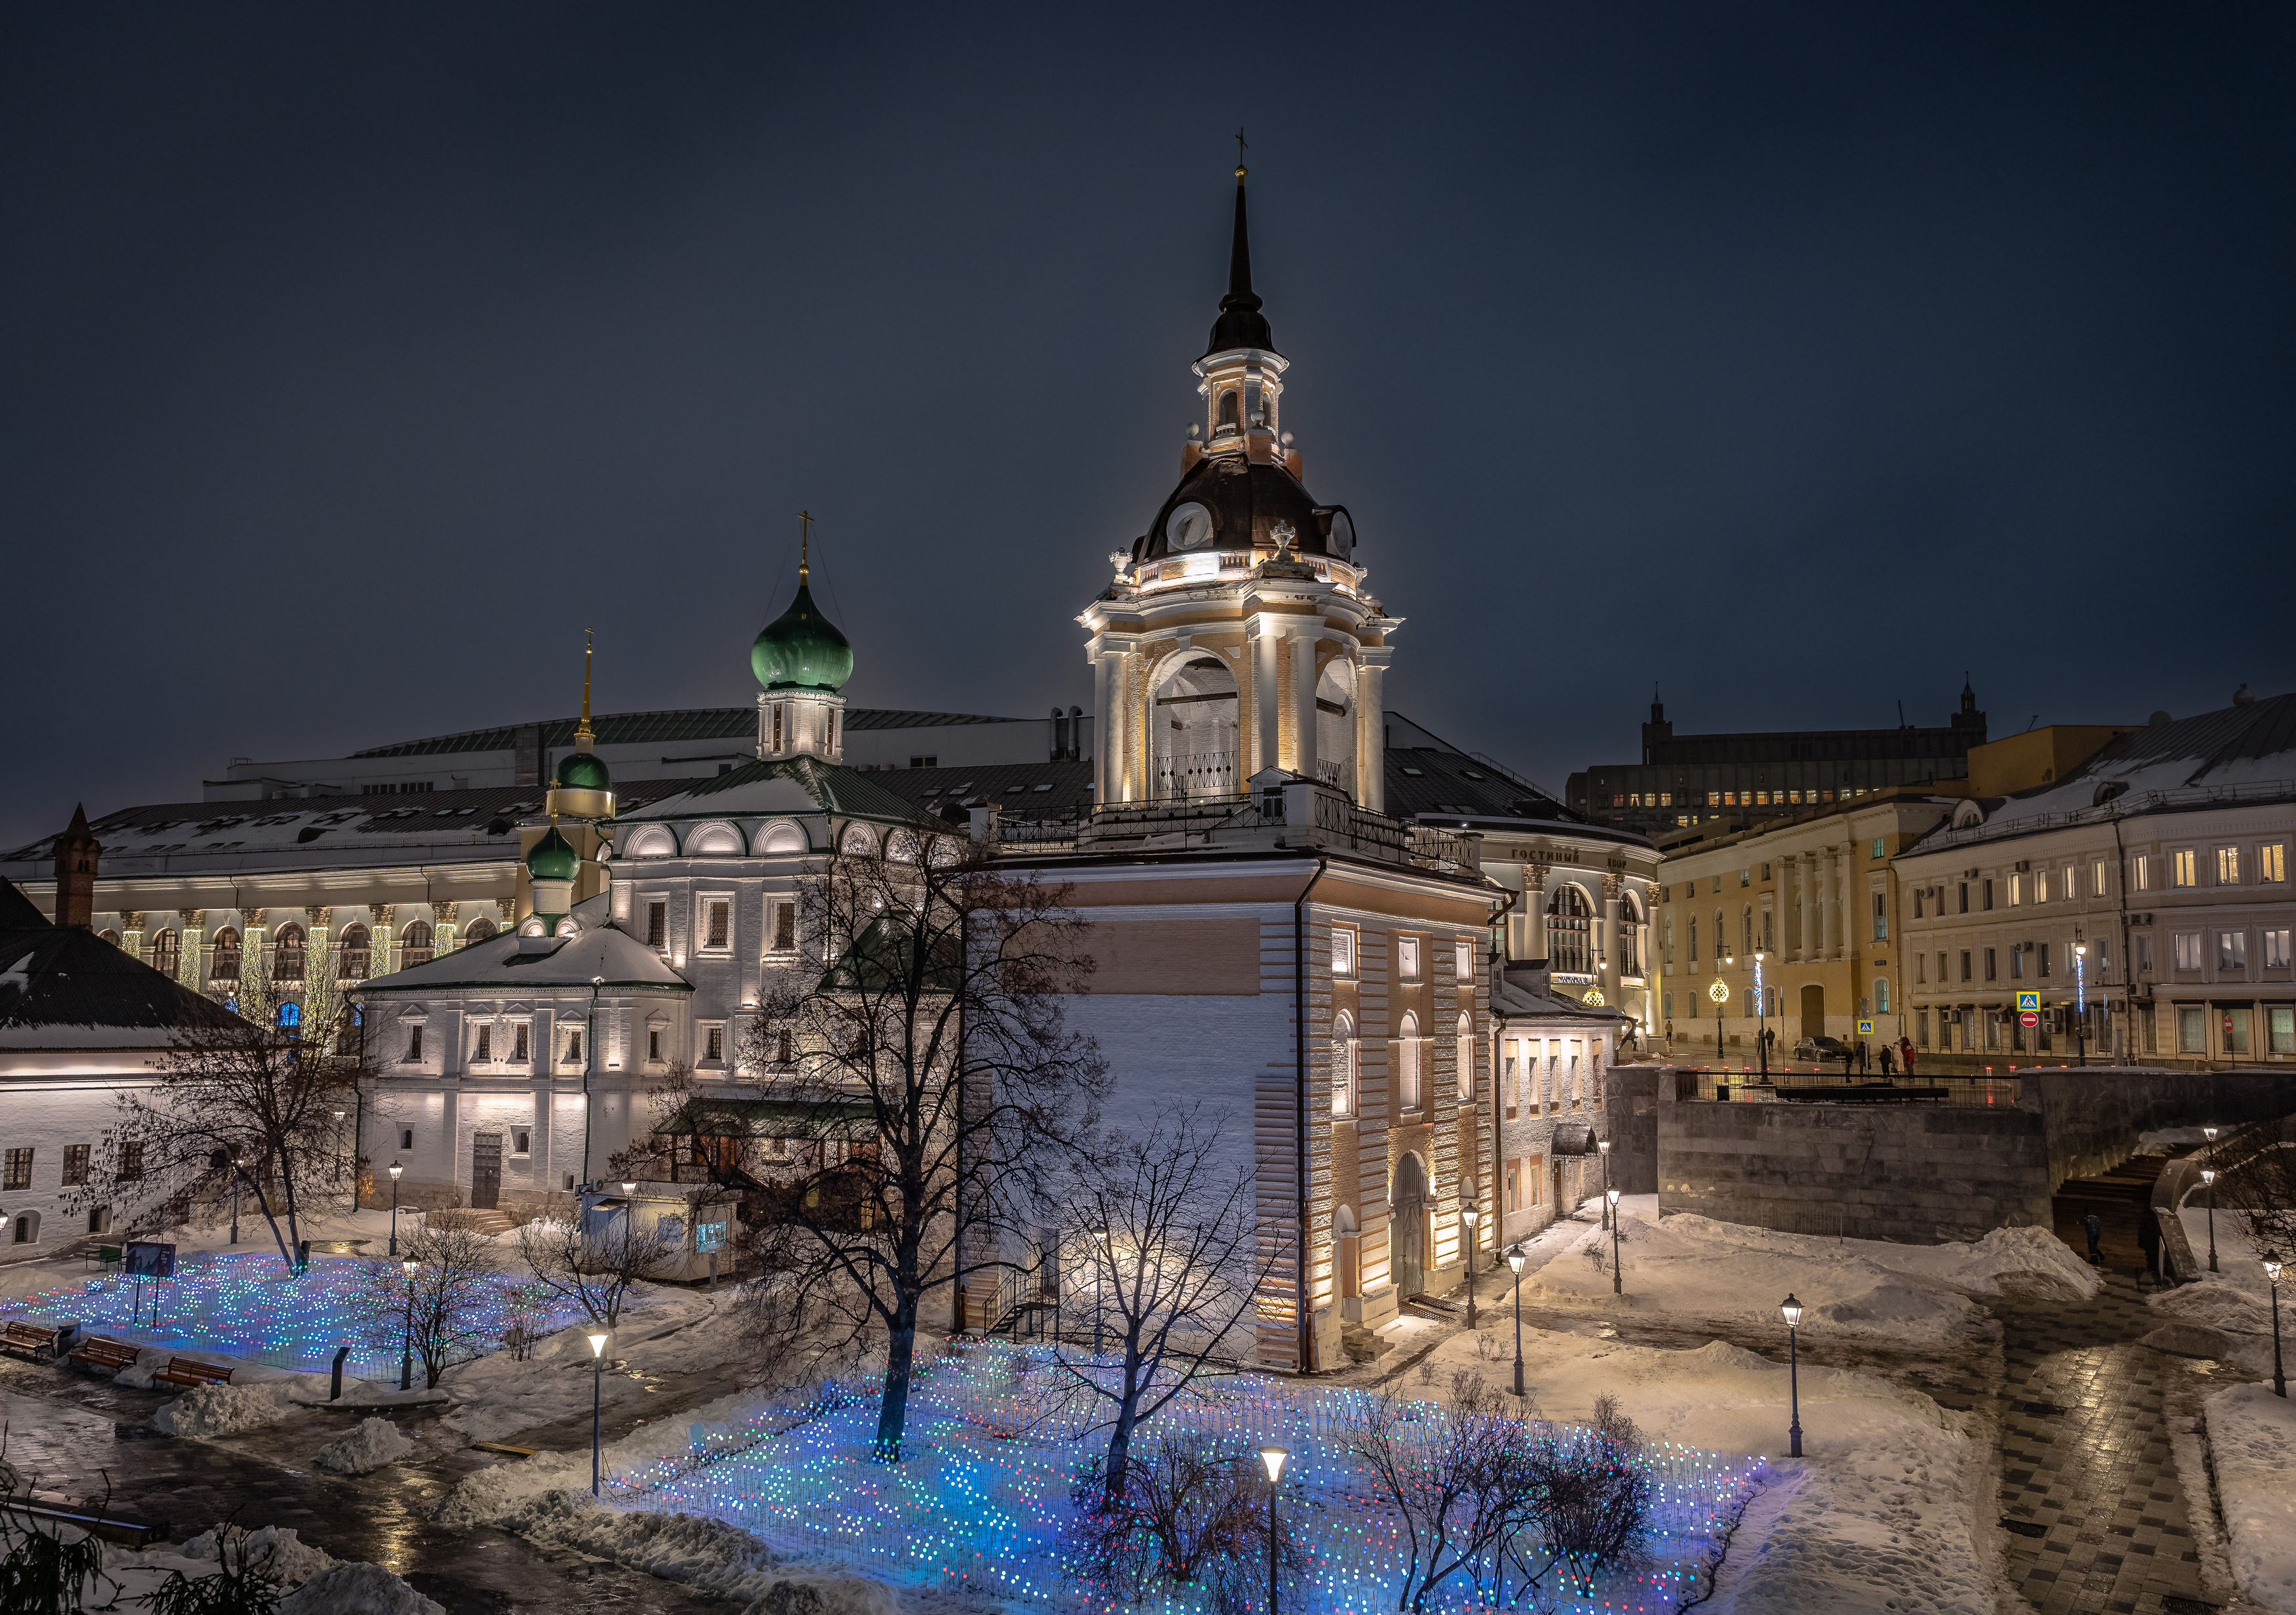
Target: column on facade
{"points": [[1267, 695], [1534, 905], [1303, 703], [191, 963], [1800, 946], [443, 939], [251, 965], [131, 932], [1833, 899], [1611, 887], [1103, 789], [379, 916], [1371, 729]]}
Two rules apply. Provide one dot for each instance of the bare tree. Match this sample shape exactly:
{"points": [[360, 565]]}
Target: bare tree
{"points": [[1457, 1475], [594, 1264], [1169, 1265], [1589, 1498], [2256, 1175], [436, 1300], [1187, 1509], [928, 1079], [249, 1099]]}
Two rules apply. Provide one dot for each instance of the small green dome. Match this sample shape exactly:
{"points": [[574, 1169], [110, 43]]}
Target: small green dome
{"points": [[801, 650], [554, 858], [583, 771]]}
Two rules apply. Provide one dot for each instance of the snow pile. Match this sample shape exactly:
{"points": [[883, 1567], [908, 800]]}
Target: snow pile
{"points": [[663, 1332], [357, 1589], [277, 1550], [2253, 1438], [210, 1411], [374, 1444], [2215, 1303], [701, 1552]]}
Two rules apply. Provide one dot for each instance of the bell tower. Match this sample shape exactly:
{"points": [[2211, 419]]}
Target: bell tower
{"points": [[803, 662]]}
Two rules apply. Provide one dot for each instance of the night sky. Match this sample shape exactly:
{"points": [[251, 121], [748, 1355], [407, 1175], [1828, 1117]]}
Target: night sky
{"points": [[1793, 360]]}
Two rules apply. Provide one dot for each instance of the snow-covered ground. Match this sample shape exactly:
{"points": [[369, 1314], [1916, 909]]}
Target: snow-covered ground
{"points": [[2252, 1439], [1693, 1270], [318, 1583]]}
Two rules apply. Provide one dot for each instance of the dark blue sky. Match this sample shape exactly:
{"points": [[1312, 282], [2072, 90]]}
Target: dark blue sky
{"points": [[1795, 358]]}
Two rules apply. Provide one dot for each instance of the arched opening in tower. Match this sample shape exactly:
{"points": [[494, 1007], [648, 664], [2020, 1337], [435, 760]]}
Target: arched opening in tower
{"points": [[1335, 725], [1196, 707]]}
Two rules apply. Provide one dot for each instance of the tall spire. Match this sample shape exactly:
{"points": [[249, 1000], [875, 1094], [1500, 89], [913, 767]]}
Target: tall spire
{"points": [[582, 735], [1241, 324]]}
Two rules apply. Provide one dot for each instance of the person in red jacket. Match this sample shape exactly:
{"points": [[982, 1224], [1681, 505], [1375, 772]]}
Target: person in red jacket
{"points": [[1906, 1053]]}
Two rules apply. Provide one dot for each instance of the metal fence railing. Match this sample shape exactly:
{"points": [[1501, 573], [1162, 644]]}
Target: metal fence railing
{"points": [[1736, 1082]]}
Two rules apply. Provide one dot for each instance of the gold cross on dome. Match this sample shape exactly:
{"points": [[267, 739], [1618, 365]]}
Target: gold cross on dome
{"points": [[1239, 151]]}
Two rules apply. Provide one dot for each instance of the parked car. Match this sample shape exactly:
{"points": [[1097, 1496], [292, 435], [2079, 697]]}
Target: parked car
{"points": [[1823, 1048]]}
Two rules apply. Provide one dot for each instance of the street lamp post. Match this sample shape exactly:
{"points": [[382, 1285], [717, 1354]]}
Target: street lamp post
{"points": [[1515, 1260], [238, 1171], [1618, 1279], [396, 1168], [1720, 994], [1273, 1457], [406, 1341], [342, 1165], [1470, 1216], [1101, 1258], [1792, 1310], [2209, 1178], [1603, 1147], [1761, 1013], [2272, 1265], [598, 1338], [2080, 1003]]}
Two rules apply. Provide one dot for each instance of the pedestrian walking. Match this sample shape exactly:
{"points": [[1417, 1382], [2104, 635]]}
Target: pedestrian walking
{"points": [[1861, 1056], [1889, 1060], [1905, 1054], [2093, 1227]]}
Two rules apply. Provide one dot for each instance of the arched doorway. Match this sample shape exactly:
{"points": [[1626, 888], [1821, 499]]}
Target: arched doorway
{"points": [[1347, 1255], [1408, 1229], [1194, 729], [1813, 1011]]}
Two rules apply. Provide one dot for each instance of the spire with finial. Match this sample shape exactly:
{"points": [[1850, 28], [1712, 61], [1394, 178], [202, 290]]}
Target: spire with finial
{"points": [[582, 788], [1241, 324], [582, 735]]}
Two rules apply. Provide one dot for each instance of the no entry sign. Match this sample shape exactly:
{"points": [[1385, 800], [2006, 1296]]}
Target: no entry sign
{"points": [[2030, 1019]]}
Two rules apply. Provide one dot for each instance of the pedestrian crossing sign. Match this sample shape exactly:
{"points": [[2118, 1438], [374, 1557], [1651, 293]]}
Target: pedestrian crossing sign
{"points": [[1864, 1028], [2028, 1000]]}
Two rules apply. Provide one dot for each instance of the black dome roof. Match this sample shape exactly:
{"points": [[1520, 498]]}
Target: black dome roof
{"points": [[1245, 501]]}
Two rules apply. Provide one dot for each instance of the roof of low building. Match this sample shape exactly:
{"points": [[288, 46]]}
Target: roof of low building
{"points": [[779, 785], [649, 728], [509, 961], [62, 986]]}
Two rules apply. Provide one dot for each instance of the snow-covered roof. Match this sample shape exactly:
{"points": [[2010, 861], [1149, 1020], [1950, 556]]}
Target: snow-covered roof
{"points": [[784, 785], [62, 986], [514, 962], [2240, 753], [1529, 995]]}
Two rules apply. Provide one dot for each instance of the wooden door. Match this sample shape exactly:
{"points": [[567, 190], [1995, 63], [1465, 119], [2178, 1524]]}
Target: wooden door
{"points": [[486, 1170]]}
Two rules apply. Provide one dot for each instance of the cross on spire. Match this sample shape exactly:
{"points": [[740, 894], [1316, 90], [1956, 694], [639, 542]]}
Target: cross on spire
{"points": [[803, 544], [1239, 151]]}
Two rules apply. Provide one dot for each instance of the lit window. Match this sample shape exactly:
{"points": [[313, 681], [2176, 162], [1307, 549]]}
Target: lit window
{"points": [[1880, 851], [2184, 868], [2141, 873], [1407, 1060], [2275, 949], [2187, 944], [483, 1054], [1406, 958], [1666, 799], [2016, 889], [2227, 866], [2040, 886], [718, 923], [1466, 1057], [1881, 996], [1343, 950], [1343, 1067], [1463, 958], [714, 1045], [2271, 863]]}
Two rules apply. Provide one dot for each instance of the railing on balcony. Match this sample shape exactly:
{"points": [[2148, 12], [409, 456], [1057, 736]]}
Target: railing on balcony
{"points": [[1194, 774]]}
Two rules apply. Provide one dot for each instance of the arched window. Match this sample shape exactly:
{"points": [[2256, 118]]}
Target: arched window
{"points": [[1694, 939], [1343, 1065], [28, 1227], [109, 935], [287, 954], [291, 1016], [857, 842], [1466, 1057], [354, 959], [225, 965], [1881, 996], [1227, 420], [1406, 1054], [167, 955], [1569, 930], [416, 947], [480, 929], [1630, 936]]}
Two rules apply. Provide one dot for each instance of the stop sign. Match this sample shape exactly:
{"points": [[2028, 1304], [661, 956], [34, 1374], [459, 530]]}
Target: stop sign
{"points": [[2030, 1019]]}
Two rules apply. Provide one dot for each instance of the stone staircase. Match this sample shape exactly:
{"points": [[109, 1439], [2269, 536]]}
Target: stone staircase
{"points": [[489, 1223]]}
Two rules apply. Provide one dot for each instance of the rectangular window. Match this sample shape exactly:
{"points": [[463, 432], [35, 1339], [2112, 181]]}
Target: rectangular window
{"points": [[1964, 964], [2140, 872], [1407, 1059], [1921, 969], [2016, 889], [1463, 958], [131, 1162], [406, 1138], [19, 1170], [2275, 949], [414, 1045], [2040, 886], [2143, 952], [520, 1052], [2227, 866], [718, 923], [2235, 1030], [75, 1164], [521, 1142], [1406, 958], [1881, 996], [2017, 962], [1989, 965], [784, 928], [1514, 1185], [2232, 951], [1964, 897], [574, 1048], [485, 1053], [2280, 1026], [2096, 881], [653, 1044], [1942, 977], [658, 925], [1922, 1028], [1343, 950], [2045, 959], [2192, 1030], [2272, 863], [1881, 917], [716, 1046], [1879, 850], [2189, 949], [2184, 868], [1989, 894]]}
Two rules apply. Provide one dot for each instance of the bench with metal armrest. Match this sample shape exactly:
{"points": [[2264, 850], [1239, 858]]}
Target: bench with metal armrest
{"points": [[188, 1371]]}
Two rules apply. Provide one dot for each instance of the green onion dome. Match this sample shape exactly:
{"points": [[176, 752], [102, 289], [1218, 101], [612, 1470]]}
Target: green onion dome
{"points": [[583, 771], [802, 649], [554, 858]]}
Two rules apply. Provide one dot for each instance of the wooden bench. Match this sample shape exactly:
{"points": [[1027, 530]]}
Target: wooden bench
{"points": [[37, 1340], [185, 1370], [106, 1356]]}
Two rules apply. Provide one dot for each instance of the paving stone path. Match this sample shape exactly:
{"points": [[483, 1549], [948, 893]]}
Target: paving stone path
{"points": [[2089, 1491]]}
